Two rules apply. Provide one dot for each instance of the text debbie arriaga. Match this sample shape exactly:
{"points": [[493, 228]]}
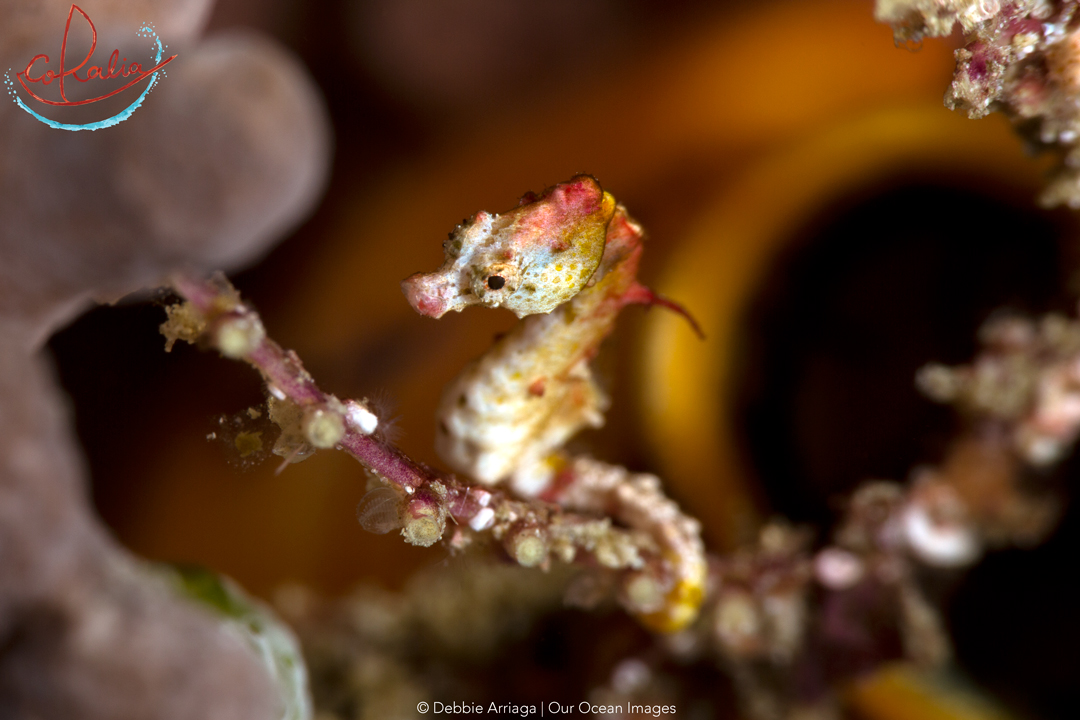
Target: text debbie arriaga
{"points": [[552, 708]]}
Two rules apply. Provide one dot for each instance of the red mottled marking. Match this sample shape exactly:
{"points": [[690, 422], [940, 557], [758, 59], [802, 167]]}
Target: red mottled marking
{"points": [[977, 65], [562, 480], [583, 191], [422, 302], [581, 196], [430, 307], [537, 387], [1024, 25]]}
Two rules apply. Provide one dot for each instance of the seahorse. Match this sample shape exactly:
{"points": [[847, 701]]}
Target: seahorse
{"points": [[566, 262]]}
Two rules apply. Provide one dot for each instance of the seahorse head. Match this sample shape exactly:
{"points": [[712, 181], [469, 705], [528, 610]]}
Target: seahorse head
{"points": [[529, 260]]}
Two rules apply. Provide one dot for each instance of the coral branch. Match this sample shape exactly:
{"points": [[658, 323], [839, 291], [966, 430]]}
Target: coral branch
{"points": [[309, 418], [1021, 396], [791, 625], [1020, 57], [533, 531], [664, 602]]}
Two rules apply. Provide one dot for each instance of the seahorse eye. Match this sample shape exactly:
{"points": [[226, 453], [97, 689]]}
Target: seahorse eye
{"points": [[495, 282]]}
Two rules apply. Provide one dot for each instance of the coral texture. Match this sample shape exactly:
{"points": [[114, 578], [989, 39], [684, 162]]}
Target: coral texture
{"points": [[195, 178], [1021, 58], [398, 649]]}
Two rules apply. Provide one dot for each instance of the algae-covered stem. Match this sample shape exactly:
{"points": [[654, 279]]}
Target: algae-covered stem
{"points": [[236, 331], [312, 419]]}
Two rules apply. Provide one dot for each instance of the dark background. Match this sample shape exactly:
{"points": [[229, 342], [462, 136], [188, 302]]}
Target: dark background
{"points": [[488, 99]]}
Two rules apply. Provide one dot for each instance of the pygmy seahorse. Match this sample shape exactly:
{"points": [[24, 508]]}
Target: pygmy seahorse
{"points": [[568, 260]]}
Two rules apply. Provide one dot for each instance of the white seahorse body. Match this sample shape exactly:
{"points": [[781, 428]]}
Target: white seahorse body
{"points": [[501, 417], [507, 414]]}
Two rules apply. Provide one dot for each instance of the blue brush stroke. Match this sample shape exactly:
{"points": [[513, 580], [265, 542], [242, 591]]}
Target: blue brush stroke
{"points": [[115, 119]]}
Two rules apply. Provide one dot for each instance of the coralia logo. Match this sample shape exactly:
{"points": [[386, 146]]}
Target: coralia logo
{"points": [[115, 68]]}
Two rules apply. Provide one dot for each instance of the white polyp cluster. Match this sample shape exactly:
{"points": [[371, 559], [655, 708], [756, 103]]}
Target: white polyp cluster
{"points": [[235, 337], [630, 675], [943, 544], [1044, 436], [485, 518], [360, 418], [425, 516], [482, 520], [1038, 449], [528, 546], [737, 622], [323, 428], [644, 592], [838, 569], [423, 528]]}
